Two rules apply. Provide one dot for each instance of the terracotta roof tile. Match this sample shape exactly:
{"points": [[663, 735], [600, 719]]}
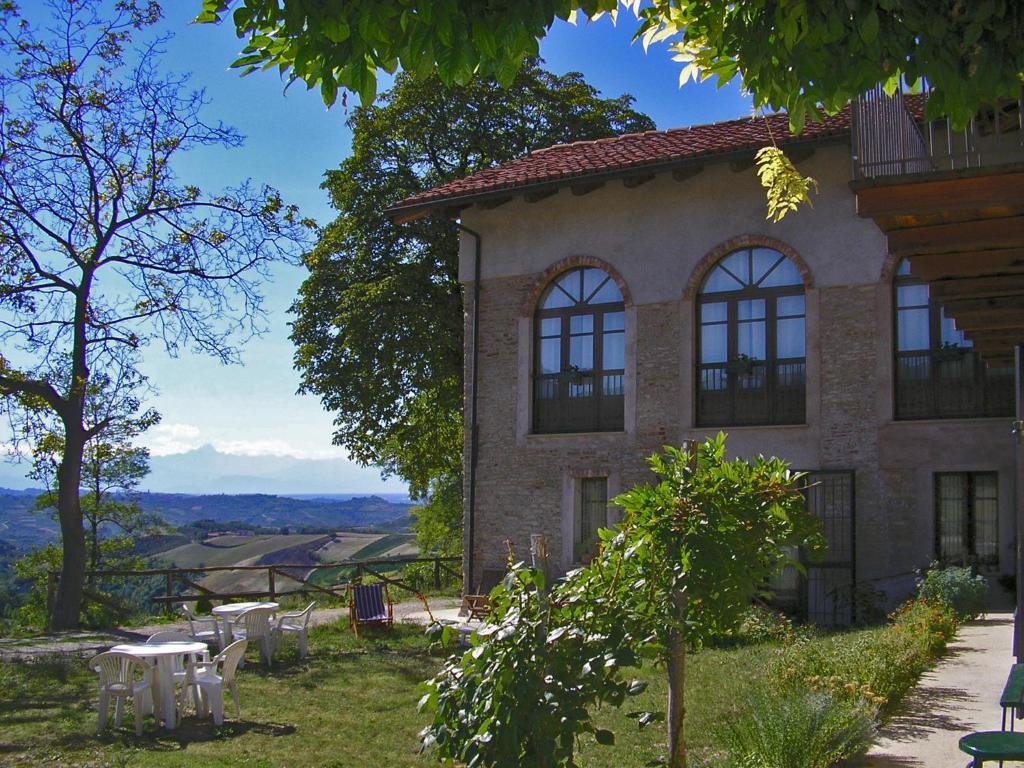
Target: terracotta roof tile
{"points": [[634, 150]]}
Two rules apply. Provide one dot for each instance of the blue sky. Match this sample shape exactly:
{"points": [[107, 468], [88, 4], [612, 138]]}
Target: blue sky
{"points": [[291, 140]]}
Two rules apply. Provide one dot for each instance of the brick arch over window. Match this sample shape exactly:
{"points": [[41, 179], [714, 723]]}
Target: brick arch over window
{"points": [[721, 250], [572, 262], [889, 267]]}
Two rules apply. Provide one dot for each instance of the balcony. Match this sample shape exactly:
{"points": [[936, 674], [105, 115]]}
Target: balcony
{"points": [[951, 383], [952, 202]]}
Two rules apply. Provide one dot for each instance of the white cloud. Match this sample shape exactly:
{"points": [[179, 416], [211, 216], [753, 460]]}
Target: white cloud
{"points": [[165, 439], [168, 439], [277, 448]]}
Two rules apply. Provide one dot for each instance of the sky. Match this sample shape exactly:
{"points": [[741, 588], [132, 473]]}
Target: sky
{"points": [[291, 139]]}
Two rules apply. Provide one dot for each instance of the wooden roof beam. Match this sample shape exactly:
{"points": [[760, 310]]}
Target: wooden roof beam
{"points": [[971, 263], [540, 194], [1004, 189], [687, 172], [494, 202], [977, 288], [632, 182], [1006, 232]]}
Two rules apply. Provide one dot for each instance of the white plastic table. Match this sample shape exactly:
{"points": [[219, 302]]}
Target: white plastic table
{"points": [[164, 654], [229, 612]]}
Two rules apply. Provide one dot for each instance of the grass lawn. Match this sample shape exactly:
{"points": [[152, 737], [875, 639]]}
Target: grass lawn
{"points": [[351, 703]]}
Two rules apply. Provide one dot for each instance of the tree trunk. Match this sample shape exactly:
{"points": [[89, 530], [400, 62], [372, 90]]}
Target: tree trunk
{"points": [[67, 607], [676, 681]]}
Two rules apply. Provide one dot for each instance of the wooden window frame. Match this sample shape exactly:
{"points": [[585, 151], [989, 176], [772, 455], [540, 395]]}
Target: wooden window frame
{"points": [[970, 555], [600, 411], [736, 368]]}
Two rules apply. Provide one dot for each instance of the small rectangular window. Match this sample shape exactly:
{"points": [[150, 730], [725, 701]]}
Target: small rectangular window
{"points": [[967, 518]]}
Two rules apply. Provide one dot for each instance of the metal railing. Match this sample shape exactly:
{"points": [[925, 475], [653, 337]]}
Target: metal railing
{"points": [[951, 383], [892, 138]]}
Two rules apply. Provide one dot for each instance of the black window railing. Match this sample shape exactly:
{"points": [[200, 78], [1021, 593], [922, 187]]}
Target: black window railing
{"points": [[578, 402], [751, 392], [951, 383]]}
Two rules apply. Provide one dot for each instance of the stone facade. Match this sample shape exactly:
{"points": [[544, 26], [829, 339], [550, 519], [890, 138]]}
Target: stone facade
{"points": [[659, 240]]}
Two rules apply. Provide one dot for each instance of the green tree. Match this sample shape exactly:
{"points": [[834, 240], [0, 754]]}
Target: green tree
{"points": [[112, 468], [378, 322], [805, 56], [102, 248], [692, 551]]}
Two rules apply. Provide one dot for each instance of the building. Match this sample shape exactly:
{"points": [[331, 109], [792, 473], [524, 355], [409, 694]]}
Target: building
{"points": [[628, 293]]}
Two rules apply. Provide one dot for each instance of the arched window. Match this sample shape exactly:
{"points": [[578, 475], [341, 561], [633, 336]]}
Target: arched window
{"points": [[580, 351], [750, 349], [936, 373]]}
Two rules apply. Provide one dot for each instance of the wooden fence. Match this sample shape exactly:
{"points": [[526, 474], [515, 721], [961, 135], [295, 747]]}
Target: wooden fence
{"points": [[297, 573]]}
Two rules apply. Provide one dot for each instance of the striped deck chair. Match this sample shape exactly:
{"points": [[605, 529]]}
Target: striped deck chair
{"points": [[369, 604]]}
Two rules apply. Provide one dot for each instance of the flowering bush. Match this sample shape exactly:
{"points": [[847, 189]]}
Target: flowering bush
{"points": [[956, 587]]}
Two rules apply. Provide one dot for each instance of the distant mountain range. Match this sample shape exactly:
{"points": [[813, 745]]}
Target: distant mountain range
{"points": [[206, 470], [24, 528]]}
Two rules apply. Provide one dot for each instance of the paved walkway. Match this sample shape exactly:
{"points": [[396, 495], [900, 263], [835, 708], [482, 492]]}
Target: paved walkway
{"points": [[960, 695]]}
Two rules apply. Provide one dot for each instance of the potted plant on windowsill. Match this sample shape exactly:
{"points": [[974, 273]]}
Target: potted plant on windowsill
{"points": [[950, 351], [741, 364]]}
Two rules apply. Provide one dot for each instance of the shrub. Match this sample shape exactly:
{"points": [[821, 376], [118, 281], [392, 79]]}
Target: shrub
{"points": [[877, 666], [956, 587], [794, 727], [764, 625]]}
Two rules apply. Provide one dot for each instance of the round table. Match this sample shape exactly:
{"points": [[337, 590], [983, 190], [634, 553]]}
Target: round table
{"points": [[165, 655], [229, 612]]}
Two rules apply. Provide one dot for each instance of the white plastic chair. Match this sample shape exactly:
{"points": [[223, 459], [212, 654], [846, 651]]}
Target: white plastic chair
{"points": [[212, 685], [168, 636], [123, 676], [296, 622], [255, 624], [200, 635]]}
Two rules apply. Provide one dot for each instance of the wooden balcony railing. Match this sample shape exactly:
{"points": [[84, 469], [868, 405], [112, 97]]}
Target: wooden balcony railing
{"points": [[892, 138]]}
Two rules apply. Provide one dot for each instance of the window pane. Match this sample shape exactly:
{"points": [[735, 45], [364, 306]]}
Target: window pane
{"points": [[952, 516], [581, 324], [614, 351], [911, 329], [609, 293], [764, 260], [750, 339], [789, 306], [790, 337], [950, 335], [571, 283], [551, 326], [714, 340], [903, 269], [986, 518], [614, 321], [784, 273], [912, 296], [750, 309], [717, 311], [719, 280], [739, 265], [556, 298], [592, 516], [550, 355], [581, 352]]}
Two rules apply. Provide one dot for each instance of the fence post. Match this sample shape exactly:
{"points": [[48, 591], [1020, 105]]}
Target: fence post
{"points": [[270, 582], [437, 573], [359, 574], [168, 607]]}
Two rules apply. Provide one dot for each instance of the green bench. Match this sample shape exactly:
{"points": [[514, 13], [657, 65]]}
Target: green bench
{"points": [[986, 746], [1012, 700], [991, 746]]}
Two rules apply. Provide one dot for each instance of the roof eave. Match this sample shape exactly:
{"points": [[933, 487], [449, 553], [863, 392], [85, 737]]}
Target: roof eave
{"points": [[402, 213]]}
